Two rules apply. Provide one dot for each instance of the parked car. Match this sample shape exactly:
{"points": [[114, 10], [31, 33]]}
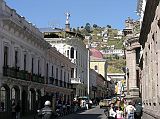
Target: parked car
{"points": [[104, 103]]}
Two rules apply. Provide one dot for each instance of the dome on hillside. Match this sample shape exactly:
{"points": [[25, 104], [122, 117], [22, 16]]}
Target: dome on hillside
{"points": [[95, 53]]}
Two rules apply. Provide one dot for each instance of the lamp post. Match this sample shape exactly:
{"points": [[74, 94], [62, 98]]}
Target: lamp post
{"points": [[125, 44], [127, 81], [88, 47], [88, 68]]}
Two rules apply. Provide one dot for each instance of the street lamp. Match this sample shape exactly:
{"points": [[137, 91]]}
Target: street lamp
{"points": [[88, 47], [126, 70], [127, 81]]}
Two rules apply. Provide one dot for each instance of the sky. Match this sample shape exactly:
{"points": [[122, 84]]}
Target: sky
{"points": [[51, 13]]}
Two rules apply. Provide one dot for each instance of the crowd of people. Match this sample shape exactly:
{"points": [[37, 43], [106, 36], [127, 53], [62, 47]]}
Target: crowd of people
{"points": [[121, 109]]}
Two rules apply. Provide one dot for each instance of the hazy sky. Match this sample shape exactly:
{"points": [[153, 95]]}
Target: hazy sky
{"points": [[46, 13]]}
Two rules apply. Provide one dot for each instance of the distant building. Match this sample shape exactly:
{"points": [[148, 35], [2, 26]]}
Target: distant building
{"points": [[118, 52], [132, 27], [98, 63]]}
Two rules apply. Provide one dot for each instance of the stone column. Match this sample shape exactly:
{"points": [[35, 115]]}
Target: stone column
{"points": [[1, 59], [131, 65]]}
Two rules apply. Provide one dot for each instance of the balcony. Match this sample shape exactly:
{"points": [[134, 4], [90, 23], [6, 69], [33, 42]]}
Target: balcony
{"points": [[51, 80], [75, 81], [22, 74], [73, 61]]}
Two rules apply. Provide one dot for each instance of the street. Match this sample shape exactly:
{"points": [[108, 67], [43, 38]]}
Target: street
{"points": [[94, 113]]}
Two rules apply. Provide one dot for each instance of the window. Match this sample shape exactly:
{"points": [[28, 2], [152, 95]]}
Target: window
{"points": [[68, 78], [25, 61], [38, 66], [5, 55], [61, 75], [76, 54], [72, 52], [47, 71], [76, 73], [95, 67], [56, 73], [67, 53], [52, 70], [64, 76], [72, 72], [16, 59], [32, 65]]}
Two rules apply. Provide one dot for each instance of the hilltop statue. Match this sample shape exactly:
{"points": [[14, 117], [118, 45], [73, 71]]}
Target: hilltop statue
{"points": [[67, 17]]}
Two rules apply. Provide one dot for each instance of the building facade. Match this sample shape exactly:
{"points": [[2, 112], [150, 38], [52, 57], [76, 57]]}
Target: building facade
{"points": [[29, 67], [133, 71], [149, 65], [97, 62], [132, 55], [71, 45]]}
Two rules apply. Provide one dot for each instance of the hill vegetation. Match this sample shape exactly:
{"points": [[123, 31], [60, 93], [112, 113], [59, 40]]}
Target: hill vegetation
{"points": [[104, 38]]}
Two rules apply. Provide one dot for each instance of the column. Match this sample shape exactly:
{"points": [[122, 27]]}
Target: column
{"points": [[131, 65], [1, 55], [29, 59]]}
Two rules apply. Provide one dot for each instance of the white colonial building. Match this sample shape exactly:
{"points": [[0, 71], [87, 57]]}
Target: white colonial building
{"points": [[71, 45], [29, 67]]}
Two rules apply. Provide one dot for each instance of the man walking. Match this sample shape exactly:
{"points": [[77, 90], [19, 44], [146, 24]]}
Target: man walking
{"points": [[46, 112]]}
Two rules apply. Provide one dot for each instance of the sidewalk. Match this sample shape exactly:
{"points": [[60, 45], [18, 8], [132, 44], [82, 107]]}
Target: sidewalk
{"points": [[33, 116]]}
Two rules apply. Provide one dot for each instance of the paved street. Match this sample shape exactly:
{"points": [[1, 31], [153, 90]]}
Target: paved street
{"points": [[95, 113]]}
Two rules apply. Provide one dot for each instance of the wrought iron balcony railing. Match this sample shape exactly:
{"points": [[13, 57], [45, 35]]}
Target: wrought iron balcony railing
{"points": [[22, 74]]}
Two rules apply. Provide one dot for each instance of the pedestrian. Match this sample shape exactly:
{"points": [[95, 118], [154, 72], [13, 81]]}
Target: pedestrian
{"points": [[13, 109], [130, 109], [112, 113], [2, 106], [18, 110], [119, 113], [46, 112], [138, 112]]}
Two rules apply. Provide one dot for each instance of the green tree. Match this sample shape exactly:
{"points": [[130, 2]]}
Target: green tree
{"points": [[88, 27], [95, 26], [109, 26]]}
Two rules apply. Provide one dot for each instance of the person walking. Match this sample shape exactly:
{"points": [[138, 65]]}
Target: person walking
{"points": [[46, 112], [119, 113], [13, 110], [112, 113], [138, 112], [18, 110], [130, 109]]}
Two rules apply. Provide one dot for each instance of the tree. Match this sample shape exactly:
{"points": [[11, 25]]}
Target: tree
{"points": [[109, 26], [95, 26], [82, 27], [74, 30], [88, 27]]}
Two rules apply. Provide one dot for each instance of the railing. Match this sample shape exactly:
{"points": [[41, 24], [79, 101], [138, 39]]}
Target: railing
{"points": [[73, 61], [75, 80], [22, 74]]}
